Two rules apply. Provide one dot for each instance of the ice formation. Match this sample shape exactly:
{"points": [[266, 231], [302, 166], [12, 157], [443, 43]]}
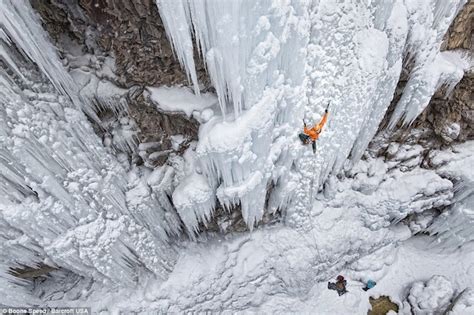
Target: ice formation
{"points": [[66, 200], [274, 63], [455, 226], [464, 303], [16, 19], [431, 297]]}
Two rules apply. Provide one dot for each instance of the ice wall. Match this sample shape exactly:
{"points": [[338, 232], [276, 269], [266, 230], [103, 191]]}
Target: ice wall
{"points": [[19, 21], [454, 226], [274, 63], [64, 199]]}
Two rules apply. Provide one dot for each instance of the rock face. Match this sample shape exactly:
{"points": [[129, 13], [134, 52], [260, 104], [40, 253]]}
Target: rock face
{"points": [[447, 118], [452, 119], [457, 112], [132, 33]]}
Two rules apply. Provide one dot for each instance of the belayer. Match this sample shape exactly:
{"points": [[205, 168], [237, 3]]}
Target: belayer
{"points": [[310, 135]]}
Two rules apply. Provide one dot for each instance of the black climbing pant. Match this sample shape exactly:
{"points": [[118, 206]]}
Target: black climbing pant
{"points": [[304, 138]]}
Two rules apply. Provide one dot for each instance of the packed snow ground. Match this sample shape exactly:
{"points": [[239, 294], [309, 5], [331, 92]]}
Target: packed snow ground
{"points": [[281, 269], [301, 56]]}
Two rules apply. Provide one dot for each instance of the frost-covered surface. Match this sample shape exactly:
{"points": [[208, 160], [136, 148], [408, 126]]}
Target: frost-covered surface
{"points": [[431, 274], [230, 266], [464, 304], [22, 27], [14, 291], [111, 226]]}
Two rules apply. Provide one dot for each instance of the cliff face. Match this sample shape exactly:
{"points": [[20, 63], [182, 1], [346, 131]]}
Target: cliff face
{"points": [[124, 43], [132, 34], [460, 35], [451, 117]]}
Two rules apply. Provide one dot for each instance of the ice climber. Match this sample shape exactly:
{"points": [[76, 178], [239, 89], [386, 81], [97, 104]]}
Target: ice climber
{"points": [[312, 134], [339, 286]]}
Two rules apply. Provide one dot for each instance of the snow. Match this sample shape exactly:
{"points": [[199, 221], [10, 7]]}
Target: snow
{"points": [[181, 99], [455, 226], [430, 275], [257, 274], [193, 198], [14, 291]]}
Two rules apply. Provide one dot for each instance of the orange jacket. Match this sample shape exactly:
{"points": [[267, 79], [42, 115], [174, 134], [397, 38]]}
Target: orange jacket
{"points": [[314, 132]]}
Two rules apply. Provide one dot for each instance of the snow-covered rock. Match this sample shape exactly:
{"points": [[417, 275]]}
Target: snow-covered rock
{"points": [[302, 55]]}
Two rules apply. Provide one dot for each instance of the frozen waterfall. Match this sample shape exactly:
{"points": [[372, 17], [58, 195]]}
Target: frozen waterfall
{"points": [[65, 200]]}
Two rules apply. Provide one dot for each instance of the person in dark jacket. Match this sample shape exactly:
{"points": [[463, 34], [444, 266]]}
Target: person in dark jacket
{"points": [[339, 286]]}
